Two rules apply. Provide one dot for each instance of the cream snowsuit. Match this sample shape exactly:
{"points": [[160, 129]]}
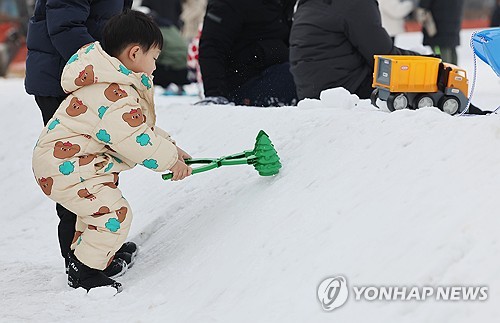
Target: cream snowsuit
{"points": [[105, 125]]}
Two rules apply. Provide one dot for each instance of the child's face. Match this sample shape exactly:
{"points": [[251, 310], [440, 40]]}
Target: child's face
{"points": [[143, 62]]}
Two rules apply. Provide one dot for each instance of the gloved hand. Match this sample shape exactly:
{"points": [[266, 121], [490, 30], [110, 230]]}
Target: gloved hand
{"points": [[210, 100], [424, 17]]}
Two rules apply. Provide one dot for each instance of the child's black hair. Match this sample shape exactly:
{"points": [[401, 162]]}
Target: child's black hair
{"points": [[130, 27]]}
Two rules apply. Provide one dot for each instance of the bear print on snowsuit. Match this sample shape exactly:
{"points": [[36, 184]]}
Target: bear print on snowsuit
{"points": [[86, 159], [134, 118], [85, 194], [102, 210], [46, 184], [86, 76], [114, 93], [65, 150], [76, 107]]}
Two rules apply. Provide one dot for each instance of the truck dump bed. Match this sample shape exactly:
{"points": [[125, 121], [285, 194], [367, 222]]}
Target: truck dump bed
{"points": [[406, 73]]}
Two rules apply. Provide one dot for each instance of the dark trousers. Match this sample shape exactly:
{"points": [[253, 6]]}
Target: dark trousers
{"points": [[448, 54], [164, 75], [274, 87], [365, 89], [67, 219]]}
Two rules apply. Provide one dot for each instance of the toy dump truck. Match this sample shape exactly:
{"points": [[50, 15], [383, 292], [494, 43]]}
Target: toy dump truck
{"points": [[418, 81]]}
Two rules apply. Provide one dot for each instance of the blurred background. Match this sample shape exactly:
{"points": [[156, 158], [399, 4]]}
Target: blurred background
{"points": [[14, 16]]}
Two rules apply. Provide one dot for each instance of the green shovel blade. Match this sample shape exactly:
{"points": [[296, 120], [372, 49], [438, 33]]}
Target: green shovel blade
{"points": [[268, 162]]}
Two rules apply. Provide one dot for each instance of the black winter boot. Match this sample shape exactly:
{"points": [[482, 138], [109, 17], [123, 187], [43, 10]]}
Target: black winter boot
{"points": [[125, 256], [80, 275], [127, 252], [129, 247], [118, 267]]}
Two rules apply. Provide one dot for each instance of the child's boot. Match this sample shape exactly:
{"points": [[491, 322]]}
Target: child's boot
{"points": [[125, 257], [129, 247], [80, 275], [118, 267], [127, 252]]}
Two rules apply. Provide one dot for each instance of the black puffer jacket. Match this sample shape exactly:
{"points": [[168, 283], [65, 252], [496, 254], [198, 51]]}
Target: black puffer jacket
{"points": [[240, 39], [332, 44], [169, 9], [447, 15], [56, 31]]}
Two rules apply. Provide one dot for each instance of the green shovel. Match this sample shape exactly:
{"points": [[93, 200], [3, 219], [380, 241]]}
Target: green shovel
{"points": [[263, 157]]}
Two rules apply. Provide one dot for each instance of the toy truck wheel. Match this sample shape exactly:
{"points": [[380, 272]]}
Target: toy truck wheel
{"points": [[374, 97], [423, 101], [449, 104], [397, 101]]}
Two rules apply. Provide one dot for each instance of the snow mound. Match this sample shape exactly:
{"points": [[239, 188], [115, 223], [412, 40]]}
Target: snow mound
{"points": [[337, 98]]}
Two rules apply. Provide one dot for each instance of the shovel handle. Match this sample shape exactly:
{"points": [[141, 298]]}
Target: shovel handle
{"points": [[195, 170], [236, 159]]}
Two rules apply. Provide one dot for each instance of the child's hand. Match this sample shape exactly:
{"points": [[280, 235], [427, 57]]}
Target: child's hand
{"points": [[182, 154], [180, 170]]}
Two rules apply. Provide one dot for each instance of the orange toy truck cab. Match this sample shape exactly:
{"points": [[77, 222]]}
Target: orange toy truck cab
{"points": [[419, 81]]}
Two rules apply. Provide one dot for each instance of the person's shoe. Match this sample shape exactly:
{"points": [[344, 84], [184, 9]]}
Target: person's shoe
{"points": [[128, 252], [476, 111], [80, 275], [118, 267], [129, 247], [127, 257]]}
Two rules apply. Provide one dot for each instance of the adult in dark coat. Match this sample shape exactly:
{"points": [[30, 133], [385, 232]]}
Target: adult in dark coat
{"points": [[55, 32], [495, 17], [447, 15], [244, 52], [332, 44], [169, 9]]}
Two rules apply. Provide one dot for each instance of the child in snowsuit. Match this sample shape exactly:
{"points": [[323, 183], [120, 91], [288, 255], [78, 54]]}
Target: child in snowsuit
{"points": [[106, 125], [56, 31]]}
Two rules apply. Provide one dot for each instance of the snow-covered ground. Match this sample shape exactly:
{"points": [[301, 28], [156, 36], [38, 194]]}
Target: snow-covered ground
{"points": [[387, 199]]}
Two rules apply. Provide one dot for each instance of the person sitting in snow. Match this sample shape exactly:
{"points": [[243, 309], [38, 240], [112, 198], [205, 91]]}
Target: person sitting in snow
{"points": [[106, 125], [332, 44], [243, 53]]}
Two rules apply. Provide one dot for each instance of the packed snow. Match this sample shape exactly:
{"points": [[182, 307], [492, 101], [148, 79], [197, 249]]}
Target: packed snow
{"points": [[408, 198]]}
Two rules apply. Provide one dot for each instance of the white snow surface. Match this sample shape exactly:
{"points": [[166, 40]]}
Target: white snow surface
{"points": [[408, 198]]}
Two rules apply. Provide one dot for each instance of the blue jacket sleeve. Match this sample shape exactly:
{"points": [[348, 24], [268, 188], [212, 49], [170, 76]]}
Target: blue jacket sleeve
{"points": [[66, 25]]}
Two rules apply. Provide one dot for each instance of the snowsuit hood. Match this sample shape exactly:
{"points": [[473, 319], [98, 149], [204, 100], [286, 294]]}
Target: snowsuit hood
{"points": [[93, 65]]}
